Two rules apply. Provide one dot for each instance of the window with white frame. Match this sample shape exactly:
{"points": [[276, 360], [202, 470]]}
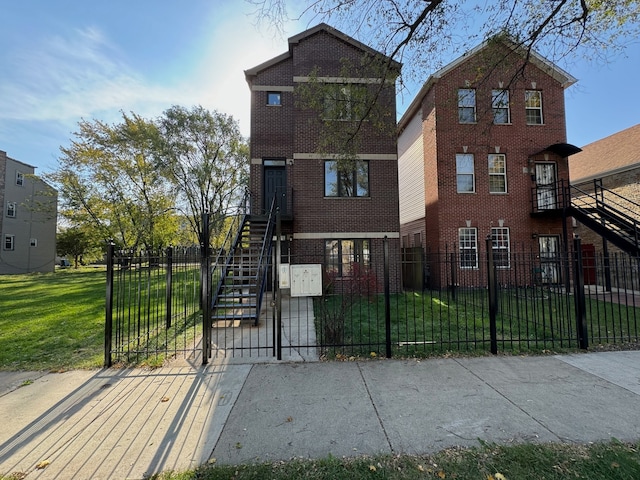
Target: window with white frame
{"points": [[467, 105], [468, 241], [19, 178], [501, 247], [500, 105], [533, 107], [497, 173], [9, 242], [33, 242], [341, 255], [465, 173], [346, 178], [11, 209]]}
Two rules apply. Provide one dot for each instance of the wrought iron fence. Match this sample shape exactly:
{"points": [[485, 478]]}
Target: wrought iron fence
{"points": [[530, 304]]}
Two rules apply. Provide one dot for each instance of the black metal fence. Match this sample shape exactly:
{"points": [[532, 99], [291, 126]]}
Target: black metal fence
{"points": [[520, 304]]}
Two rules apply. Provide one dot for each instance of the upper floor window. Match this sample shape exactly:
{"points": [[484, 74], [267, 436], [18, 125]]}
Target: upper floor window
{"points": [[500, 246], [465, 173], [341, 255], [466, 105], [344, 102], [500, 105], [346, 178], [9, 242], [497, 173], [274, 98], [11, 209], [533, 107], [19, 178], [468, 241], [33, 242]]}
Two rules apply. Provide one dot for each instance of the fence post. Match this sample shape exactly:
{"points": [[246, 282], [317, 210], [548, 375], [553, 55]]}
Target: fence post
{"points": [[454, 276], [277, 286], [108, 324], [493, 296], [169, 285], [205, 290], [387, 297], [578, 295]]}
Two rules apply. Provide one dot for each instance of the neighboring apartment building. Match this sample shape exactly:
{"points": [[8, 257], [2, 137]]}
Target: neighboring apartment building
{"points": [[28, 221], [614, 163], [337, 205], [482, 151]]}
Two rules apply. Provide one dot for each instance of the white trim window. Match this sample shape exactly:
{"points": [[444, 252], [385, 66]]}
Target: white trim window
{"points": [[468, 241], [11, 209], [497, 173], [465, 173], [20, 179], [33, 242], [467, 105], [9, 242], [533, 107], [501, 247], [500, 105]]}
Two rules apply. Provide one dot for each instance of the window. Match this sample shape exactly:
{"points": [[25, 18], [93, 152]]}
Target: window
{"points": [[549, 258], [468, 239], [342, 254], [11, 209], [465, 173], [497, 173], [33, 242], [9, 242], [19, 178], [500, 247], [500, 105], [344, 102], [533, 107], [466, 105], [346, 178], [274, 98]]}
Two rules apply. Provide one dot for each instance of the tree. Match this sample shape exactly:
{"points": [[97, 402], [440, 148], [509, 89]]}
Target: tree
{"points": [[426, 34], [107, 179], [75, 242], [205, 158]]}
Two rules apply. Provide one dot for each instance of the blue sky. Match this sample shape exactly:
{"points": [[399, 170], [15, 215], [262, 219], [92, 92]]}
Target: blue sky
{"points": [[65, 60]]}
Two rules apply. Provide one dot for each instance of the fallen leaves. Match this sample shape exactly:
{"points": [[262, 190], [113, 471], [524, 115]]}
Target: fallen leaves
{"points": [[43, 464]]}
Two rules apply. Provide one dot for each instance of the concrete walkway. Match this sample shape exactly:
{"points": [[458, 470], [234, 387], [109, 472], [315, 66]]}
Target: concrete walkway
{"points": [[122, 424]]}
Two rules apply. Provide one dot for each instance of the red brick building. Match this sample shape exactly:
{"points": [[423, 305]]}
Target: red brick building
{"points": [[483, 153], [339, 199]]}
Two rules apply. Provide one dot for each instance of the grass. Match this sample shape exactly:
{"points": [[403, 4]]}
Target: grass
{"points": [[439, 322], [52, 321], [612, 460]]}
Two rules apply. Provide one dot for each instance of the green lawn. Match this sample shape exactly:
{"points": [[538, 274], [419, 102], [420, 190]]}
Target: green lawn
{"points": [[611, 461], [52, 321]]}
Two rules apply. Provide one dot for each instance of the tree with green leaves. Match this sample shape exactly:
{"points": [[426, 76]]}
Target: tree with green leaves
{"points": [[424, 35], [107, 180], [76, 242], [206, 161]]}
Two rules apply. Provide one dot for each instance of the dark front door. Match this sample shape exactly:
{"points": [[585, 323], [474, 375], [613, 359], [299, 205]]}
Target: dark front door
{"points": [[275, 185]]}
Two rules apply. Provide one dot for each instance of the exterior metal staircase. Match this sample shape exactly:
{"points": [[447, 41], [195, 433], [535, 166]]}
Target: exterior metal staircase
{"points": [[612, 216], [241, 270]]}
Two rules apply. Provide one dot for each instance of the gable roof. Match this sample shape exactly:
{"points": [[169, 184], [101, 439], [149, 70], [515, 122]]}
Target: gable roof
{"points": [[550, 68], [612, 154], [322, 27]]}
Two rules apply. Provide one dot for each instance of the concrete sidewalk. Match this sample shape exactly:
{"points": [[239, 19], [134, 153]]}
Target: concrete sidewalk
{"points": [[117, 424]]}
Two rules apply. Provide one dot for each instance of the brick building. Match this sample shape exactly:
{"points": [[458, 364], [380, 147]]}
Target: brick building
{"points": [[483, 154], [28, 221], [614, 163], [333, 174]]}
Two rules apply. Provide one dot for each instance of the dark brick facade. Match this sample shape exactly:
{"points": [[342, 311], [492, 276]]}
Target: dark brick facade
{"points": [[293, 132]]}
